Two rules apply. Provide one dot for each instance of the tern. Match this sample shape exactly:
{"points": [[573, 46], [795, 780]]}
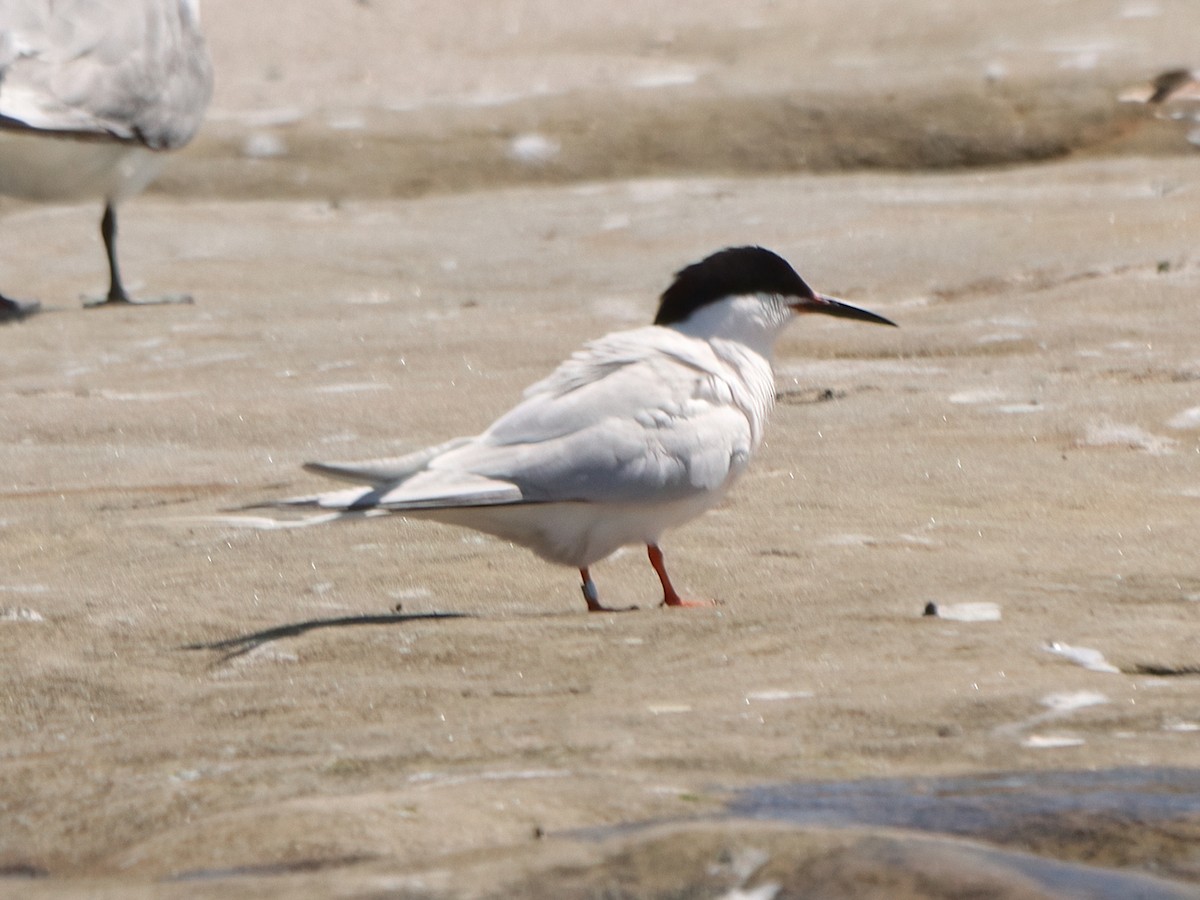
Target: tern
{"points": [[636, 433], [1173, 95], [1173, 86], [92, 93]]}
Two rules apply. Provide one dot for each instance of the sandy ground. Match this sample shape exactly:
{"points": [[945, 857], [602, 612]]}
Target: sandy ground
{"points": [[1024, 453]]}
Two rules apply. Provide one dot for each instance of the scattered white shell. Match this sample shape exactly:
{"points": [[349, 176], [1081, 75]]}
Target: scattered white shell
{"points": [[20, 614], [413, 593], [1180, 725], [970, 612], [1020, 408], [533, 149], [1189, 418], [1115, 434], [771, 696], [977, 395], [1069, 701], [1082, 656], [1050, 742], [665, 78]]}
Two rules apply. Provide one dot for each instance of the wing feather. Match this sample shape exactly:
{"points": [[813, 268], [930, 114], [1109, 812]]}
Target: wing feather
{"points": [[640, 416], [135, 70], [381, 472]]}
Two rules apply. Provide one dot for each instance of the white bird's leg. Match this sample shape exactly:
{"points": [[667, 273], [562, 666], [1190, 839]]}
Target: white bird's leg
{"points": [[670, 595], [117, 295], [592, 596], [108, 231]]}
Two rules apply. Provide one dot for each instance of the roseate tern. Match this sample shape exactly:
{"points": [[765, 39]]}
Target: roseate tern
{"points": [[638, 432], [1174, 95]]}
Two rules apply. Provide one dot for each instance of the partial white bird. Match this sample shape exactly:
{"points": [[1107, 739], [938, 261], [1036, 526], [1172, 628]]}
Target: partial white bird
{"points": [[92, 92], [1174, 95], [1176, 92], [638, 432]]}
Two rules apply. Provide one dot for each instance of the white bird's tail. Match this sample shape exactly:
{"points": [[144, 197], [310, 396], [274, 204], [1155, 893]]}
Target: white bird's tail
{"points": [[402, 484]]}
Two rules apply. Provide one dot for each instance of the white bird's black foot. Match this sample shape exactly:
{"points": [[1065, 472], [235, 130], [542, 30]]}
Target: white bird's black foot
{"points": [[117, 295], [592, 596], [12, 309], [122, 299]]}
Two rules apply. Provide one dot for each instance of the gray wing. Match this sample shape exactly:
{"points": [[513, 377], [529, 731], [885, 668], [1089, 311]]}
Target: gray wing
{"points": [[638, 417], [384, 472], [135, 70], [406, 482]]}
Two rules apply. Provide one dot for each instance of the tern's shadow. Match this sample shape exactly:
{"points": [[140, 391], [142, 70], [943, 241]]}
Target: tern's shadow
{"points": [[244, 643]]}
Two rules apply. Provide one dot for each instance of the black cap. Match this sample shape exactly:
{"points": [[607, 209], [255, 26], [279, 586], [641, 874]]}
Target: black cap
{"points": [[733, 272]]}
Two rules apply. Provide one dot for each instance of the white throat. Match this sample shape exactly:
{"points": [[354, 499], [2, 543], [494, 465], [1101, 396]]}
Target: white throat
{"points": [[754, 320]]}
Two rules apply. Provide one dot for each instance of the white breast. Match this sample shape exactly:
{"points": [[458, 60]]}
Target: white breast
{"points": [[35, 168]]}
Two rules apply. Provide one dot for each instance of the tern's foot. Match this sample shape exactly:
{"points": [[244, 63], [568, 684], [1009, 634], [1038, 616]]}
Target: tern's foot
{"points": [[112, 302], [681, 603], [12, 309]]}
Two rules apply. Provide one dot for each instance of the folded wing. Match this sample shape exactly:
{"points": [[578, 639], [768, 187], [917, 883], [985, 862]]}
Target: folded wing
{"points": [[639, 417], [134, 70]]}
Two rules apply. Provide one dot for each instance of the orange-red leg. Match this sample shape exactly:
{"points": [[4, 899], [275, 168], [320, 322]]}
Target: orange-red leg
{"points": [[670, 595]]}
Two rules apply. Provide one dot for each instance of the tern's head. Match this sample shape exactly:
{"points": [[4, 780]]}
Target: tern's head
{"points": [[745, 292], [1169, 83]]}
